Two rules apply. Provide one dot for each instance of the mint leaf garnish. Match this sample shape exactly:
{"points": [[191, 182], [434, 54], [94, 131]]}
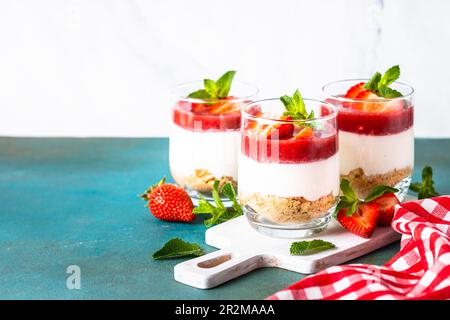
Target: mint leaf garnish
{"points": [[216, 195], [389, 93], [379, 84], [224, 84], [302, 248], [230, 193], [200, 94], [378, 191], [177, 248], [295, 107], [349, 200], [392, 74], [425, 189], [219, 213], [210, 87], [215, 89], [372, 84], [348, 192]]}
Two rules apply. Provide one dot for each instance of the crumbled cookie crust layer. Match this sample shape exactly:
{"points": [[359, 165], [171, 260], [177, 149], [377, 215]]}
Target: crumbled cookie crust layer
{"points": [[362, 183], [202, 181], [288, 210]]}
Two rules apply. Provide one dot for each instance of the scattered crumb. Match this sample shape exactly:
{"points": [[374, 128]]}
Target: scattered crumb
{"points": [[202, 181], [362, 183], [288, 210]]}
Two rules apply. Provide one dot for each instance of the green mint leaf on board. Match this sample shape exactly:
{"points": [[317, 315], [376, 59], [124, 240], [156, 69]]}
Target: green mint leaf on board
{"points": [[350, 201], [348, 192], [218, 213], [372, 84], [425, 189], [302, 248], [379, 84], [219, 89], [295, 107], [177, 248], [378, 191]]}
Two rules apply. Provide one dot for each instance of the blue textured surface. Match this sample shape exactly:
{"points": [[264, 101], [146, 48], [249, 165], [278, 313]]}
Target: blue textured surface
{"points": [[74, 201]]}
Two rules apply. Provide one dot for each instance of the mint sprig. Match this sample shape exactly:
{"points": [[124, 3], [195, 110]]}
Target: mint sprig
{"points": [[219, 213], [349, 200], [425, 189], [303, 248], [177, 248], [295, 107], [215, 89], [379, 84]]}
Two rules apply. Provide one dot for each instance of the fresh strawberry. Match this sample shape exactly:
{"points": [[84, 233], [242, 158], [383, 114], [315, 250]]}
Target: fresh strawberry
{"points": [[200, 107], [364, 105], [225, 108], [273, 131], [386, 204], [362, 222], [305, 132], [169, 202], [376, 103], [353, 92], [283, 130]]}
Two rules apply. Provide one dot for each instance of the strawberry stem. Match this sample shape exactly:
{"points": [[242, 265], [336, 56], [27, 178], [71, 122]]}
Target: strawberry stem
{"points": [[147, 192]]}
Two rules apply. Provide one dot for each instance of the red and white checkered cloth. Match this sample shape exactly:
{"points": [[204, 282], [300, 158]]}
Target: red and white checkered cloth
{"points": [[421, 270]]}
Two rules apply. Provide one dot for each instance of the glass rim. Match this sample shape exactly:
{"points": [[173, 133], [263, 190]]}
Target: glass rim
{"points": [[332, 115], [381, 99], [253, 87]]}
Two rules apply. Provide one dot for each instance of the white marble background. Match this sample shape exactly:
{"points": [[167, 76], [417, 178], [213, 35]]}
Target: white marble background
{"points": [[104, 68]]}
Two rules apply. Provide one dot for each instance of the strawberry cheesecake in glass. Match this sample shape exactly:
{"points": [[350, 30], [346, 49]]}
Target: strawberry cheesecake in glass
{"points": [[204, 137], [288, 166], [376, 137]]}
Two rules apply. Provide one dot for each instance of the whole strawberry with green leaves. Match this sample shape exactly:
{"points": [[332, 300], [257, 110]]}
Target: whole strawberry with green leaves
{"points": [[169, 202]]}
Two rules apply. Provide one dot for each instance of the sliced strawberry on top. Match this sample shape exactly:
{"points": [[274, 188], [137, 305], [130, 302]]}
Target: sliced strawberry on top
{"points": [[362, 222], [386, 204], [376, 103], [365, 104], [353, 92], [273, 131], [284, 130], [200, 107], [305, 132], [225, 107]]}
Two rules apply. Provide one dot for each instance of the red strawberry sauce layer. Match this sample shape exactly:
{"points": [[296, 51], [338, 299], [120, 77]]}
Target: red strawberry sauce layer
{"points": [[375, 123], [184, 116], [318, 147]]}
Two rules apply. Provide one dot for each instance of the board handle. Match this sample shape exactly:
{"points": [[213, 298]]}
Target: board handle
{"points": [[215, 268]]}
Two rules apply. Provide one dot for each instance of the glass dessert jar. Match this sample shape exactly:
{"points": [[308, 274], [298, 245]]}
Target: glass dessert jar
{"points": [[204, 137], [288, 169], [376, 136]]}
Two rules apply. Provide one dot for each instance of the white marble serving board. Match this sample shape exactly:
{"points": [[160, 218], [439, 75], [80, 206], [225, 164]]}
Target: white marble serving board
{"points": [[243, 249]]}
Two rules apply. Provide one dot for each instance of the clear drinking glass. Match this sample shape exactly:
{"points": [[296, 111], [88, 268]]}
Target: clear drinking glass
{"points": [[204, 137], [376, 137], [288, 169]]}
